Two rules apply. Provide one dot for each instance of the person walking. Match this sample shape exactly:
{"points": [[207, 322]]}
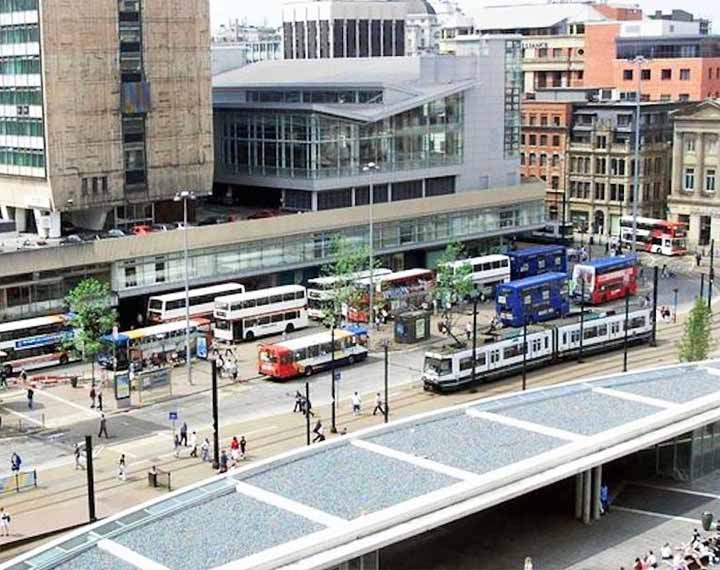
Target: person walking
{"points": [[243, 447], [308, 407], [298, 402], [15, 463], [205, 450], [3, 379], [356, 404], [176, 445], [223, 462], [468, 330], [378, 405], [103, 427], [234, 448], [184, 434], [698, 258], [78, 457], [604, 499], [319, 432], [122, 468], [4, 522], [23, 376], [99, 392], [30, 397], [193, 444], [93, 396]]}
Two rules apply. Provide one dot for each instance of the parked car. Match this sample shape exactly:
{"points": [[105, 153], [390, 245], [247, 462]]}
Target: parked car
{"points": [[141, 230], [113, 233], [71, 239]]}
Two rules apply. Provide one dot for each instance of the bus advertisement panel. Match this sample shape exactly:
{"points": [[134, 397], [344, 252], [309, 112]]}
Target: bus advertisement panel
{"points": [[605, 279], [395, 293]]}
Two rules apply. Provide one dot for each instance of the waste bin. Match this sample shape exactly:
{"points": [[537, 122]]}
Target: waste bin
{"points": [[152, 478], [412, 327], [707, 520]]}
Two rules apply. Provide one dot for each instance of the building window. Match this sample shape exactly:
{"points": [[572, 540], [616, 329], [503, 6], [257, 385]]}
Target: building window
{"points": [[297, 200], [556, 120], [689, 179], [710, 180], [533, 120], [543, 140], [333, 199], [531, 159], [440, 186], [532, 140], [522, 158], [646, 75], [556, 140], [600, 165], [690, 143], [543, 120], [627, 74], [601, 142], [407, 190], [600, 191], [684, 97], [711, 143], [684, 75]]}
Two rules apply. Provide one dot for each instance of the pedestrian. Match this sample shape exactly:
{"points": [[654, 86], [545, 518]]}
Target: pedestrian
{"points": [[3, 379], [122, 468], [99, 392], [193, 444], [298, 402], [176, 445], [30, 397], [78, 457], [23, 376], [356, 404], [15, 463], [378, 405], [205, 450], [93, 396], [664, 272], [223, 462], [604, 499], [528, 564], [4, 522], [243, 447], [607, 247], [468, 330], [308, 408], [184, 434], [698, 258], [103, 427], [319, 432], [234, 448]]}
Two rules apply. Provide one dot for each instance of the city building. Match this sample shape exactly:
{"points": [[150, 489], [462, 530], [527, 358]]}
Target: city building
{"points": [[225, 57], [696, 165], [553, 37], [322, 29], [601, 163], [676, 15], [235, 32], [453, 22], [681, 63], [315, 135], [423, 29], [106, 113]]}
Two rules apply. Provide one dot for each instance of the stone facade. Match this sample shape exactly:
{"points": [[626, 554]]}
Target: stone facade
{"points": [[696, 165]]}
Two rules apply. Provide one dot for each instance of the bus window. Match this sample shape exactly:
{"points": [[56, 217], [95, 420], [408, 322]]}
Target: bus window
{"points": [[288, 297], [277, 318], [313, 351], [300, 295], [264, 321], [301, 354], [276, 299], [249, 304], [249, 323]]}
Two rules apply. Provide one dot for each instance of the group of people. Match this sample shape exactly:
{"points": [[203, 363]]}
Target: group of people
{"points": [[665, 314], [226, 362], [699, 553], [238, 452]]}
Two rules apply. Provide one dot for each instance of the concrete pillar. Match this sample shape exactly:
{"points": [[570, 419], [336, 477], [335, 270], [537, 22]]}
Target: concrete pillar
{"points": [[597, 483], [587, 497], [6, 213], [578, 495], [20, 220], [677, 173], [700, 165]]}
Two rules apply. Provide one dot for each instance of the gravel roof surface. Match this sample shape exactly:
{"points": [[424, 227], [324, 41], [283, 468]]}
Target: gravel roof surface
{"points": [[95, 559], [219, 531], [586, 413], [468, 443], [349, 481], [695, 383]]}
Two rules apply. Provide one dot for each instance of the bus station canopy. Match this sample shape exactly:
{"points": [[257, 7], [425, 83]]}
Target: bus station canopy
{"points": [[316, 507]]}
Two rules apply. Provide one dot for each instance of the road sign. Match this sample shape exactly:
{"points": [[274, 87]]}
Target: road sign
{"points": [[173, 416]]}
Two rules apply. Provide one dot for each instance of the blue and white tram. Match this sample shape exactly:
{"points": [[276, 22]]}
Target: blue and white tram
{"points": [[451, 369]]}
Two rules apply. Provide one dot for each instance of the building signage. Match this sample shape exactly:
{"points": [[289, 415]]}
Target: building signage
{"points": [[534, 45]]}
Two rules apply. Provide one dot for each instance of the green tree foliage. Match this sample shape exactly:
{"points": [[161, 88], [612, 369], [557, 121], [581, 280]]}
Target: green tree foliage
{"points": [[348, 261], [453, 284], [92, 317], [697, 341]]}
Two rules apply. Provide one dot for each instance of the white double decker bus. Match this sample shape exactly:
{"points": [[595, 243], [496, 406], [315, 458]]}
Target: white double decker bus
{"points": [[171, 307], [487, 272], [247, 316], [320, 290]]}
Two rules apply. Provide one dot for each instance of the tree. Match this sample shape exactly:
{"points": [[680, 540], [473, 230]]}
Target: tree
{"points": [[697, 341], [92, 317], [453, 284], [348, 261]]}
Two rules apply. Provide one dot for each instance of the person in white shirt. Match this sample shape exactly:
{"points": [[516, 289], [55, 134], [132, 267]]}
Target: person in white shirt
{"points": [[356, 404], [4, 522], [193, 444], [666, 552], [652, 560]]}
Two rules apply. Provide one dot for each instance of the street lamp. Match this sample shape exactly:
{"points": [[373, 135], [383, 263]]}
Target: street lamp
{"points": [[369, 168], [185, 196], [639, 61]]}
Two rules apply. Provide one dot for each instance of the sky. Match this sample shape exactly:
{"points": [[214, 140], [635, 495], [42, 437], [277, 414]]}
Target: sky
{"points": [[260, 11]]}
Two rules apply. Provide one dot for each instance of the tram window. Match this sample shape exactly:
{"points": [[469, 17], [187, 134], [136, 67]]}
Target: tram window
{"points": [[480, 359], [602, 330], [590, 332], [564, 338], [466, 363], [513, 351], [636, 323], [615, 328], [575, 336]]}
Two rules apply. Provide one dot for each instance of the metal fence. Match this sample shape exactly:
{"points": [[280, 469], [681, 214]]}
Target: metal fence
{"points": [[18, 482]]}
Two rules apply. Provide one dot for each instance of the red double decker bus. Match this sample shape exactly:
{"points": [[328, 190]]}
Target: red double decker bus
{"points": [[605, 279], [655, 236]]}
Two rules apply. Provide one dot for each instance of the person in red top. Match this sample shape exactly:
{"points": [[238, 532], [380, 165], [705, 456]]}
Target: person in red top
{"points": [[235, 448]]}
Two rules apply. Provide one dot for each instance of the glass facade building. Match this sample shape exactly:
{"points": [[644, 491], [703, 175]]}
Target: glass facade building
{"points": [[513, 91], [312, 145]]}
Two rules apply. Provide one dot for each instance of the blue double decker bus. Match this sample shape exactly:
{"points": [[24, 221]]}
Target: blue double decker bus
{"points": [[533, 300], [537, 261]]}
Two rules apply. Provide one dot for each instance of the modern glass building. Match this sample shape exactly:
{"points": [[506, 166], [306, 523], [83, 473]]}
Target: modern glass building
{"points": [[315, 135]]}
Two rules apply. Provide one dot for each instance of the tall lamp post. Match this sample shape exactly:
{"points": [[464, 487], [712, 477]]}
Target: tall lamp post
{"points": [[369, 169], [185, 196], [639, 61]]}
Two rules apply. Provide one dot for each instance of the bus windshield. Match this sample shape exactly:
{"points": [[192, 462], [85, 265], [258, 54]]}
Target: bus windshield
{"points": [[155, 305], [441, 367]]}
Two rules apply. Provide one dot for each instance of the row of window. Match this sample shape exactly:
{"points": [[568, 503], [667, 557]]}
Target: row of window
{"points": [[555, 53], [22, 157], [272, 300], [583, 190], [19, 34], [544, 120], [94, 184], [710, 143], [532, 140], [21, 127], [21, 65], [18, 5], [665, 74], [20, 96], [710, 179], [323, 96]]}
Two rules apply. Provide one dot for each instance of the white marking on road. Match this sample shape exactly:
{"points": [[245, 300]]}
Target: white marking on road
{"points": [[289, 505], [527, 426], [87, 411], [634, 398], [421, 462], [676, 490], [656, 515], [24, 417], [129, 556]]}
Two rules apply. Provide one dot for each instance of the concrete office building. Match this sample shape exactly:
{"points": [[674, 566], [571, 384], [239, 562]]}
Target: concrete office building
{"points": [[105, 110], [314, 135], [696, 165], [322, 29]]}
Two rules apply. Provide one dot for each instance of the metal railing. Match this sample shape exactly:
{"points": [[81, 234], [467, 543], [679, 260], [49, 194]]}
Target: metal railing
{"points": [[18, 482]]}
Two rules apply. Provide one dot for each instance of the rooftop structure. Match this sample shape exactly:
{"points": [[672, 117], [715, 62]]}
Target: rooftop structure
{"points": [[330, 505], [411, 127]]}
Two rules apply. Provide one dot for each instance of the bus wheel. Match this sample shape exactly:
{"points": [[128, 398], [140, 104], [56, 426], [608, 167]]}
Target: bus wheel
{"points": [[63, 359], [250, 336], [351, 359], [290, 328], [308, 371]]}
